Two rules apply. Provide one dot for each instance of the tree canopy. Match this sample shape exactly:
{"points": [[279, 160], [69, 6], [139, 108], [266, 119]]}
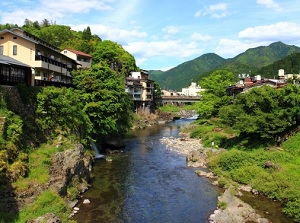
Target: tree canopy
{"points": [[214, 96]]}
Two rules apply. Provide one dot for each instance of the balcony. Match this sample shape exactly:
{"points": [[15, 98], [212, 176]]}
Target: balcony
{"points": [[53, 65], [45, 83]]}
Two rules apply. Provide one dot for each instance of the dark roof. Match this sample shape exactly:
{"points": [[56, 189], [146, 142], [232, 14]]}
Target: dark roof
{"points": [[11, 61]]}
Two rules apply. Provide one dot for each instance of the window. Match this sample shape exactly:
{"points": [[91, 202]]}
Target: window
{"points": [[1, 50], [14, 49]]}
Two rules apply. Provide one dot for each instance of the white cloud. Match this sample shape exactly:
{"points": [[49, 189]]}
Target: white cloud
{"points": [[165, 68], [230, 48], [269, 4], [74, 6], [19, 16], [172, 48], [200, 37], [52, 10], [171, 30], [198, 13], [216, 11], [218, 7], [114, 34], [282, 31]]}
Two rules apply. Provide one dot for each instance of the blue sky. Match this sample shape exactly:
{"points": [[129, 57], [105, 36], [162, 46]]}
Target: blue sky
{"points": [[162, 34]]}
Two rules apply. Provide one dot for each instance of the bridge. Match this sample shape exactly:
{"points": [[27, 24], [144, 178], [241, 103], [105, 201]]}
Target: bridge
{"points": [[177, 99]]}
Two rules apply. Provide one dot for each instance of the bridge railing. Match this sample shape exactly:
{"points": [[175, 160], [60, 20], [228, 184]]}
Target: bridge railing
{"points": [[183, 97]]}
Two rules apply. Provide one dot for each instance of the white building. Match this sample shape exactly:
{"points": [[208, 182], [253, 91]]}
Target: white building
{"points": [[192, 90]]}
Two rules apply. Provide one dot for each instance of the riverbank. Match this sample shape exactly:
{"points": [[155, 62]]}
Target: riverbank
{"points": [[231, 209]]}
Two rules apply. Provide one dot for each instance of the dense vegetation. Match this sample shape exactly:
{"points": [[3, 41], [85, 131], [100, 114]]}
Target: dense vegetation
{"points": [[259, 129], [182, 75], [290, 64], [248, 62], [97, 107]]}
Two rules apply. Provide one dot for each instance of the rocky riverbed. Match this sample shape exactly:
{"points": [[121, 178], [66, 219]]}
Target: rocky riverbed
{"points": [[233, 210]]}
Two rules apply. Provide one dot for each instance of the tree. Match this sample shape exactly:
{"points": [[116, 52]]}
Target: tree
{"points": [[214, 97], [60, 109], [106, 103], [87, 34], [264, 111], [115, 57]]}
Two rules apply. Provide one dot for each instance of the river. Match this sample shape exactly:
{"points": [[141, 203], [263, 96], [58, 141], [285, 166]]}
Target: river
{"points": [[148, 183]]}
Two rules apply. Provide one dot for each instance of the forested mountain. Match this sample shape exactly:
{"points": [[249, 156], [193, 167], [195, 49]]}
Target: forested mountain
{"points": [[265, 55], [249, 61], [290, 64], [182, 75]]}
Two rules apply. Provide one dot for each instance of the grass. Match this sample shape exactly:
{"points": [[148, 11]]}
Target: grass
{"points": [[170, 108], [39, 161], [46, 202], [246, 158]]}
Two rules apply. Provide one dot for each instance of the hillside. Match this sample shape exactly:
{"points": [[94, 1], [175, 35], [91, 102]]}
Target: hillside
{"points": [[265, 55], [181, 76], [249, 61], [290, 64]]}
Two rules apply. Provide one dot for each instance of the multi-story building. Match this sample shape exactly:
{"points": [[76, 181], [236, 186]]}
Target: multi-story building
{"points": [[84, 60], [192, 90], [142, 90], [49, 66], [13, 72]]}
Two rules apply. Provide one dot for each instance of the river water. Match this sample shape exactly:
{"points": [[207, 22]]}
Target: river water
{"points": [[148, 183]]}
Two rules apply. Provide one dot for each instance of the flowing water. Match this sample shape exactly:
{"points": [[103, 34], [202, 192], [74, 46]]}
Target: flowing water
{"points": [[148, 183]]}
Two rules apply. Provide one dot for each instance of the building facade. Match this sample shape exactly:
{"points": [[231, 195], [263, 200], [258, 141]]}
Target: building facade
{"points": [[142, 90], [83, 60], [48, 64], [13, 72], [192, 90]]}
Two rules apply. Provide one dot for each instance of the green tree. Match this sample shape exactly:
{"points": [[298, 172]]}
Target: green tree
{"points": [[264, 111], [115, 57], [106, 103], [61, 109], [87, 34], [214, 96]]}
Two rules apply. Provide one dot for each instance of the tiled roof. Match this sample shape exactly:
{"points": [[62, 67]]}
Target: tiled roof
{"points": [[79, 53], [11, 61]]}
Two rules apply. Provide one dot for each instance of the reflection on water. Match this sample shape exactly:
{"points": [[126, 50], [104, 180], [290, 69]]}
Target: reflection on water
{"points": [[148, 183]]}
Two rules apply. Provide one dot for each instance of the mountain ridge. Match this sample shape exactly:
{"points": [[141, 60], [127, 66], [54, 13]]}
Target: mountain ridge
{"points": [[250, 61]]}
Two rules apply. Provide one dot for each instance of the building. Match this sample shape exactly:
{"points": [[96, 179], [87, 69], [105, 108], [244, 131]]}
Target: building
{"points": [[84, 60], [169, 93], [246, 83], [192, 90], [48, 65], [13, 72], [142, 90]]}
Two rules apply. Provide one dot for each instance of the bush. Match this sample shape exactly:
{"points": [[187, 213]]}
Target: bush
{"points": [[292, 209], [233, 159], [222, 205], [292, 144], [169, 108], [245, 174]]}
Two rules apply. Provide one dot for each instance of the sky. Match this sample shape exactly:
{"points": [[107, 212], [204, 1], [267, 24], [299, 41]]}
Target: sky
{"points": [[162, 34]]}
